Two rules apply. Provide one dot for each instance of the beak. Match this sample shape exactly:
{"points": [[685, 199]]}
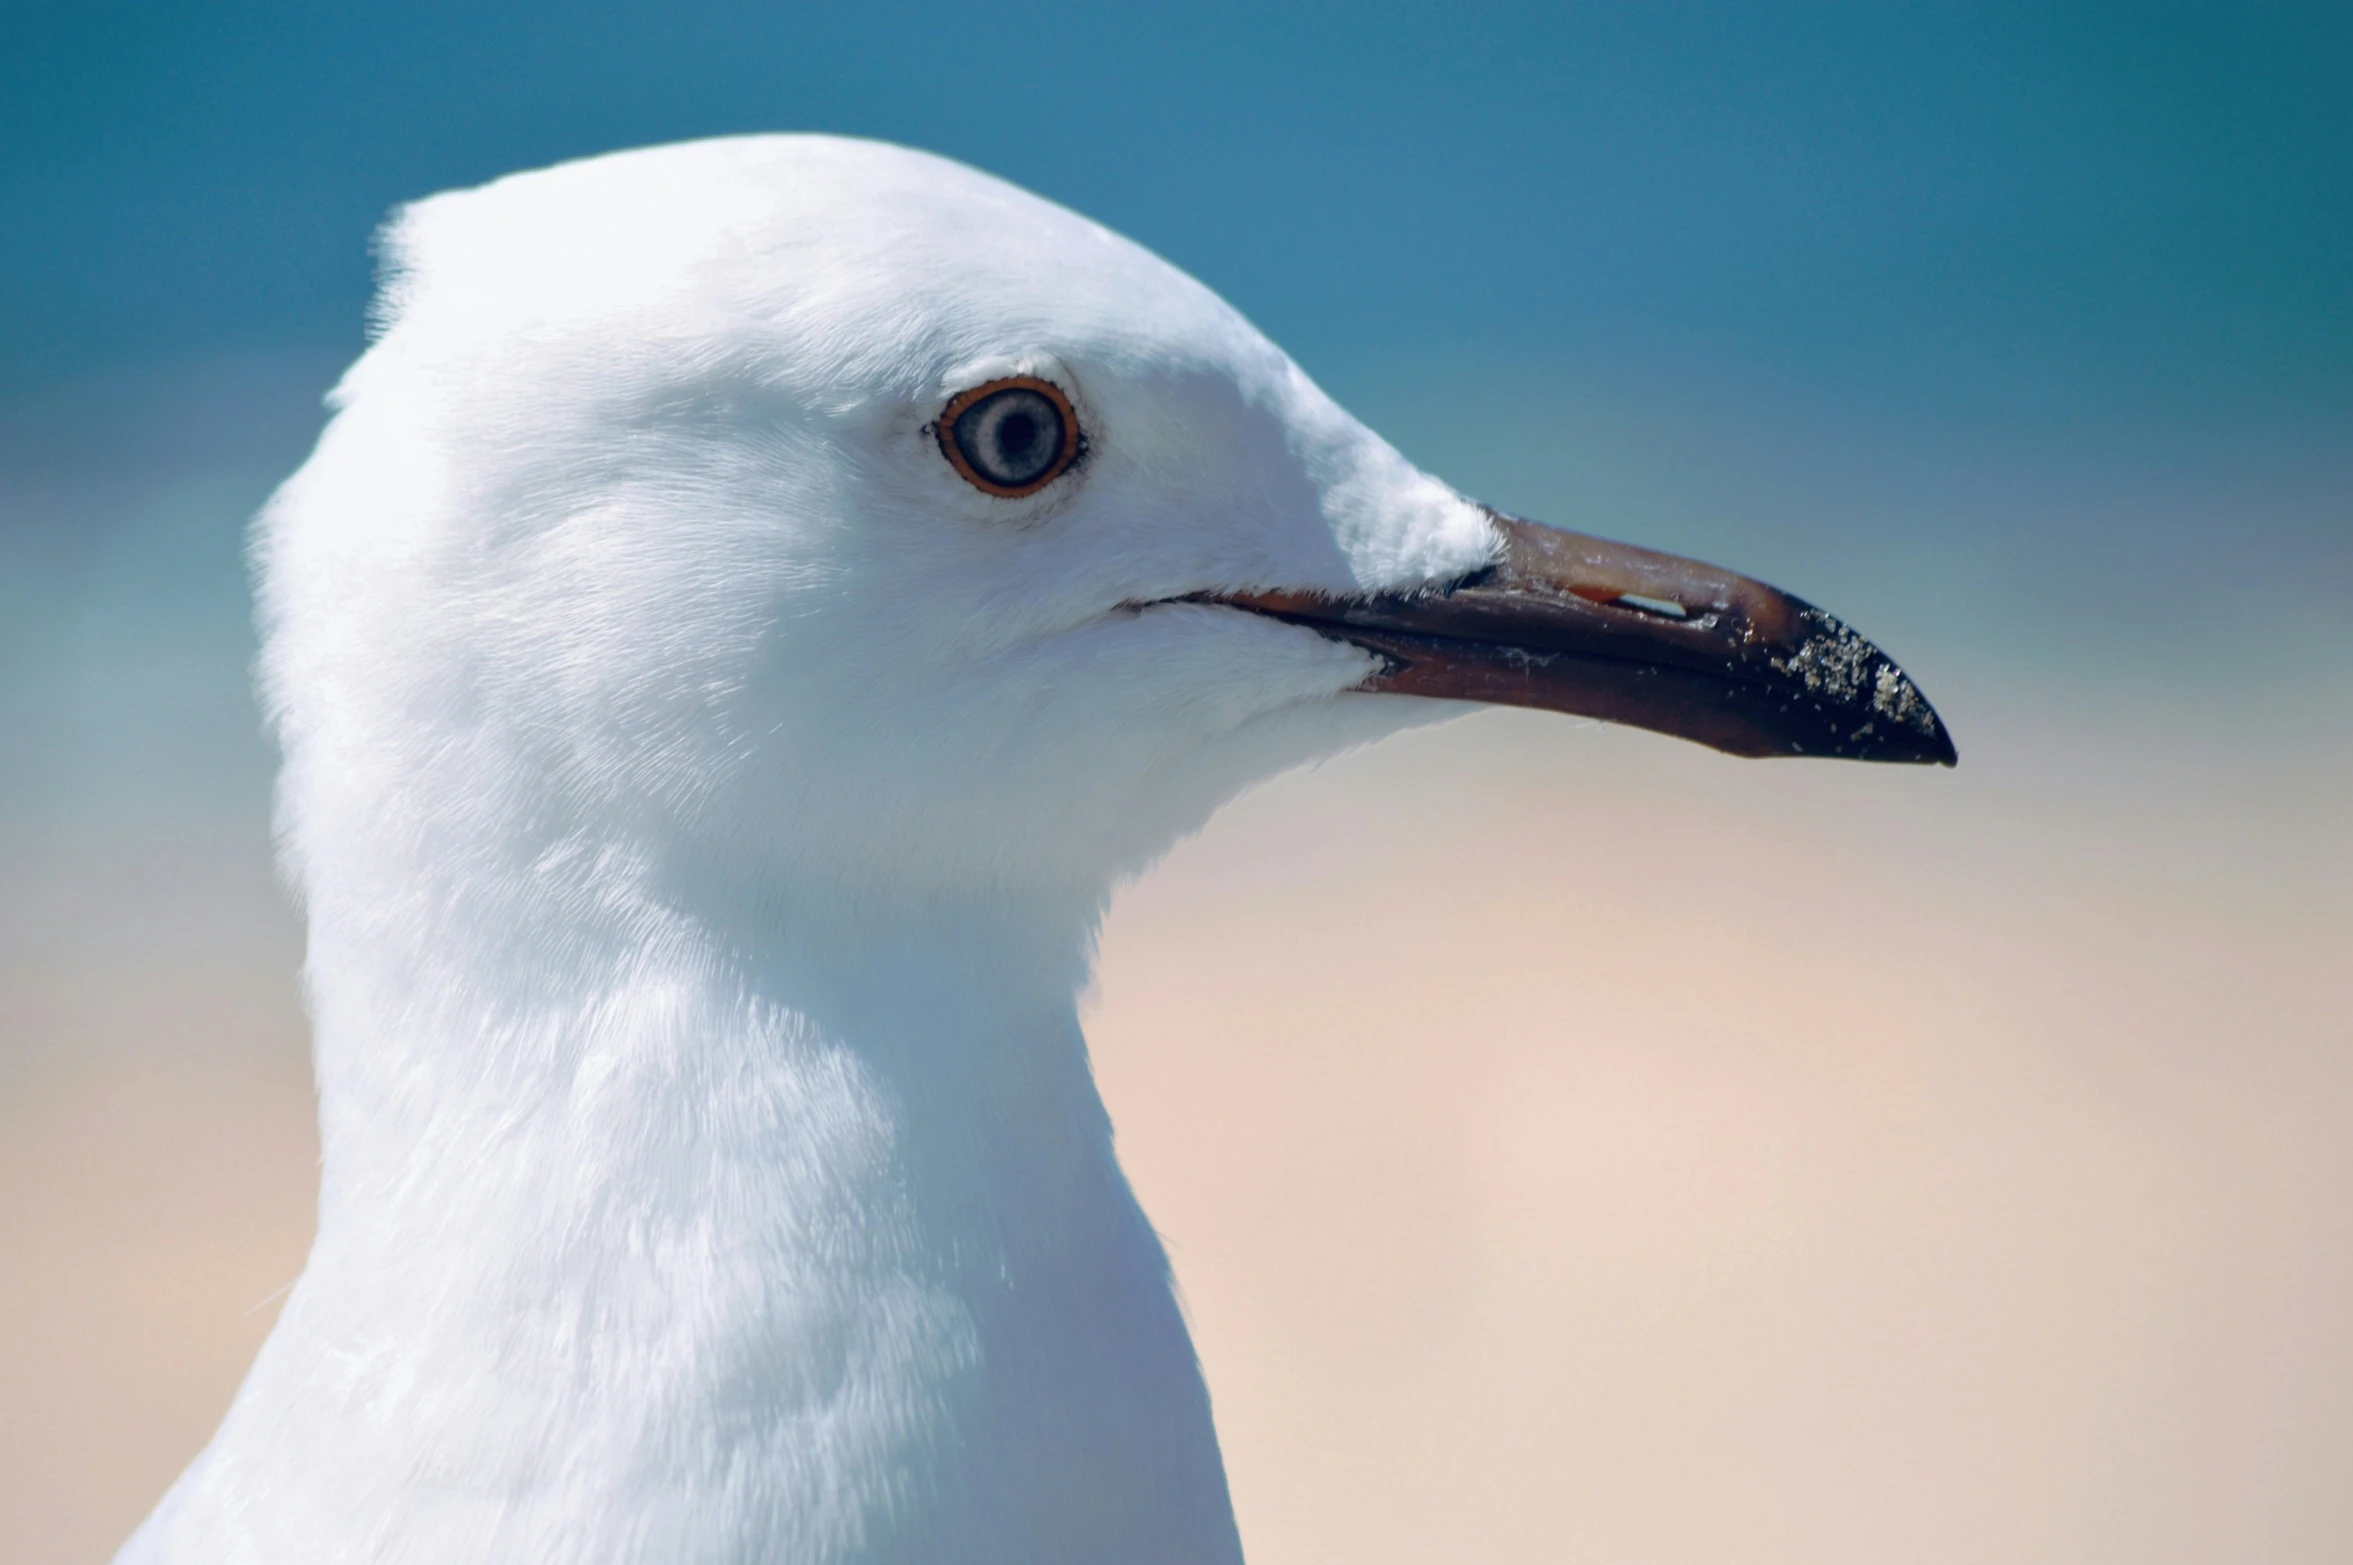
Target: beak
{"points": [[1574, 624]]}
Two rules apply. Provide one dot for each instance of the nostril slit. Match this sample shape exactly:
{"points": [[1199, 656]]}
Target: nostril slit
{"points": [[1662, 606]]}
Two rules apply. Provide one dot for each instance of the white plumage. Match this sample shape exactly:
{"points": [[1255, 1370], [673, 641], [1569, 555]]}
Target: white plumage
{"points": [[703, 800], [704, 781]]}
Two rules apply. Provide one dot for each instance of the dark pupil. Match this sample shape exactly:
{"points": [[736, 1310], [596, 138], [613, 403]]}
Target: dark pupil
{"points": [[1011, 438], [1015, 431]]}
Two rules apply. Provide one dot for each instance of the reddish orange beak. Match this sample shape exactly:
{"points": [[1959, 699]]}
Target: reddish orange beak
{"points": [[1575, 624]]}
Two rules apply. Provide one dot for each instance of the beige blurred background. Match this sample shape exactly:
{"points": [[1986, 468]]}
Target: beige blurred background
{"points": [[1573, 1145]]}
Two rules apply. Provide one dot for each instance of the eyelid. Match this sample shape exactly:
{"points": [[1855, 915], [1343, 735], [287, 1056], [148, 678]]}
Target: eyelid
{"points": [[1073, 438]]}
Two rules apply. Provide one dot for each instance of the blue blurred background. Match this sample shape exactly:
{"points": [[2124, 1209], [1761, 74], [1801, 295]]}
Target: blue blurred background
{"points": [[2020, 334]]}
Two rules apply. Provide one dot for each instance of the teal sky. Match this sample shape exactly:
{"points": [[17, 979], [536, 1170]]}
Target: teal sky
{"points": [[2010, 216]]}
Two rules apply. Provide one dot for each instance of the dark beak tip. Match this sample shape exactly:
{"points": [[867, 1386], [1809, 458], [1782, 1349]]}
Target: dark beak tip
{"points": [[1922, 741], [1945, 753], [1856, 682], [1934, 748], [1906, 731]]}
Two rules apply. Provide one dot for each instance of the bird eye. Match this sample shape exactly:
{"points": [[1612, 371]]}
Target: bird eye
{"points": [[1010, 437]]}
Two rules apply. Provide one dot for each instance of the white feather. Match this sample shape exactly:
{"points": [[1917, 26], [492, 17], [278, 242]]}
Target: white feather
{"points": [[703, 800]]}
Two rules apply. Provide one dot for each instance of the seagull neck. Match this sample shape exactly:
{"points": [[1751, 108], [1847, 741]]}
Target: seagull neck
{"points": [[830, 1227], [950, 1034]]}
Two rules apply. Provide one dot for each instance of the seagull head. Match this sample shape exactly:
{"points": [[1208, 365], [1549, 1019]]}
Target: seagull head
{"points": [[805, 513]]}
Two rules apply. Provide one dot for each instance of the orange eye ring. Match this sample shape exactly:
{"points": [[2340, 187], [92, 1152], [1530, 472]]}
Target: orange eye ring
{"points": [[1011, 437]]}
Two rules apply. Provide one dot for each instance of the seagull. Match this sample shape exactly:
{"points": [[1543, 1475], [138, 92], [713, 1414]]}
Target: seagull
{"points": [[752, 602]]}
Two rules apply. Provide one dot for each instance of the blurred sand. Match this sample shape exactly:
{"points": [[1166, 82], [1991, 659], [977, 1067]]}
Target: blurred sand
{"points": [[1581, 1148], [1573, 1146], [148, 1217]]}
